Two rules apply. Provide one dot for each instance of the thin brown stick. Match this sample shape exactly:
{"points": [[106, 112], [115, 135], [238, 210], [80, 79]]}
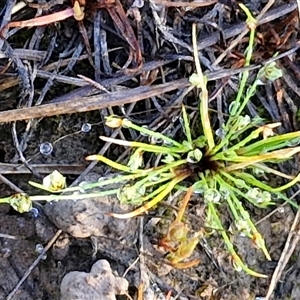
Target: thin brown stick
{"points": [[212, 39], [8, 236], [235, 30], [79, 103], [44, 20], [242, 34], [34, 264], [290, 245], [91, 103], [10, 184], [6, 18], [44, 6], [41, 168]]}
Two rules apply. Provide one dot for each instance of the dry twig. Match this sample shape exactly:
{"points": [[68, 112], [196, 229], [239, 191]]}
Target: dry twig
{"points": [[34, 264], [290, 245]]}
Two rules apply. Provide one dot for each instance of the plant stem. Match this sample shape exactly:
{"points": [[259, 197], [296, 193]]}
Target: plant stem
{"points": [[204, 115], [72, 197], [154, 134]]}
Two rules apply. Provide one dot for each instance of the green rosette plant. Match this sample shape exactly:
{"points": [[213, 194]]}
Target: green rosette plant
{"points": [[223, 166]]}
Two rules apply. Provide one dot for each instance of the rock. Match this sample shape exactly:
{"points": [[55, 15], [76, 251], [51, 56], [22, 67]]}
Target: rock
{"points": [[44, 228], [61, 247], [100, 283], [85, 218]]}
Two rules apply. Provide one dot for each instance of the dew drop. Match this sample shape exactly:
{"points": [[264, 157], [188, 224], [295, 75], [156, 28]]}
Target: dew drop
{"points": [[212, 196], [167, 143], [174, 119], [198, 191], [181, 121], [35, 212], [5, 252], [199, 187], [143, 133], [39, 248], [280, 209], [154, 140], [220, 133], [86, 127], [293, 142], [46, 148], [225, 193], [154, 178], [83, 186]]}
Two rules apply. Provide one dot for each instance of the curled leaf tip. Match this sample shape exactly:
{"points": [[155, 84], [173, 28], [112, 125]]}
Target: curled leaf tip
{"points": [[92, 157], [121, 216], [54, 181], [113, 122]]}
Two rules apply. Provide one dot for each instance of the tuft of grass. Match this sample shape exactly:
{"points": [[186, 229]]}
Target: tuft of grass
{"points": [[223, 166]]}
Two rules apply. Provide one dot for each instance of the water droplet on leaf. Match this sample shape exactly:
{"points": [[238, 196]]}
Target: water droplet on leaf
{"points": [[154, 140], [220, 133], [143, 133], [212, 196], [194, 156]]}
